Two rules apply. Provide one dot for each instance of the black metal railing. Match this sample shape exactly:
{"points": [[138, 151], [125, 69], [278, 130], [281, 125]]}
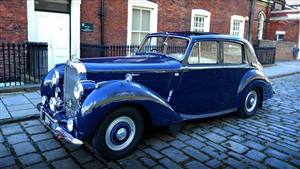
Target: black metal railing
{"points": [[265, 55], [22, 63], [89, 51]]}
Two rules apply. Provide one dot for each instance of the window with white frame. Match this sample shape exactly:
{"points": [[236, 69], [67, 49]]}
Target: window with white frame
{"points": [[200, 20], [280, 35], [140, 25], [237, 25], [142, 19]]}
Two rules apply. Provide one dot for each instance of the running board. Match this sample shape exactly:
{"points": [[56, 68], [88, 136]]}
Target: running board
{"points": [[200, 116]]}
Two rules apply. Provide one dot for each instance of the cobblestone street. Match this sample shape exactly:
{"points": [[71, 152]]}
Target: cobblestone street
{"points": [[270, 139]]}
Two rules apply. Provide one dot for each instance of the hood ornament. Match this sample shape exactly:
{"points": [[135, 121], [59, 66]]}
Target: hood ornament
{"points": [[129, 76]]}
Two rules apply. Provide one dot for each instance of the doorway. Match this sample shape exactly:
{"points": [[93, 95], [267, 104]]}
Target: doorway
{"points": [[54, 28], [49, 21]]}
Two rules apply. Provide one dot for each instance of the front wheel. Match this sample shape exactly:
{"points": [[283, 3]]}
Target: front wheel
{"points": [[119, 133], [250, 103]]}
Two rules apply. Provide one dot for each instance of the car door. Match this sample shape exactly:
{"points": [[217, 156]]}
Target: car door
{"points": [[200, 82], [210, 79], [233, 61]]}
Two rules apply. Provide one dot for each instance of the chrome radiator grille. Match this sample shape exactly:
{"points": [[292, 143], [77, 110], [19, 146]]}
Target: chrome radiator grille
{"points": [[71, 76]]}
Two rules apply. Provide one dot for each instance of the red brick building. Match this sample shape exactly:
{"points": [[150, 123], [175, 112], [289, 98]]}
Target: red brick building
{"points": [[65, 24]]}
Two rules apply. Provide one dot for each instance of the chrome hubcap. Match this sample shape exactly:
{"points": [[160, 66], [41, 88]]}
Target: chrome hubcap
{"points": [[251, 101], [121, 134]]}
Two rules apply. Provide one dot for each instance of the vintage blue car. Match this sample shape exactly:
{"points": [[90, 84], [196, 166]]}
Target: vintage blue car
{"points": [[174, 76]]}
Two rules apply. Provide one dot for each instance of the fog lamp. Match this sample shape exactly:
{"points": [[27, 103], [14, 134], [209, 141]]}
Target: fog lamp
{"points": [[70, 124]]}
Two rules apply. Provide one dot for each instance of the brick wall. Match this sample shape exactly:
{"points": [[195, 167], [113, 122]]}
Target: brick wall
{"points": [[291, 28], [260, 7], [13, 20], [173, 15], [89, 13], [115, 25], [115, 22]]}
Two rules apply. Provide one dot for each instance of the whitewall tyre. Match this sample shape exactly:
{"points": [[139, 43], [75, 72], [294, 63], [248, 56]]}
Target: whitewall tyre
{"points": [[119, 133], [251, 103]]}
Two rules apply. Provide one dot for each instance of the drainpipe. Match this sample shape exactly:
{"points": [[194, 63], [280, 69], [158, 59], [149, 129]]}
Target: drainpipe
{"points": [[251, 15], [101, 14], [298, 57]]}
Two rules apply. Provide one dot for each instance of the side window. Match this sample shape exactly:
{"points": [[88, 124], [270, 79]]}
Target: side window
{"points": [[233, 53], [204, 53]]}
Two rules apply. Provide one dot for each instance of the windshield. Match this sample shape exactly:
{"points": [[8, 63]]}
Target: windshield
{"points": [[171, 46]]}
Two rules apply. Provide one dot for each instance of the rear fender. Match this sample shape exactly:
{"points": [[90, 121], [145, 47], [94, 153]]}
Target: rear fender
{"points": [[254, 79], [110, 95]]}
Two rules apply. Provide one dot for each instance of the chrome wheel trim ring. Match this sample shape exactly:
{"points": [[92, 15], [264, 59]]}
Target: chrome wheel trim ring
{"points": [[251, 101], [132, 131]]}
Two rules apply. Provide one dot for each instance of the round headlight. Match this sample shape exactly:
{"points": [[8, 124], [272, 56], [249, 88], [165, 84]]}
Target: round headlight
{"points": [[55, 78], [78, 90]]}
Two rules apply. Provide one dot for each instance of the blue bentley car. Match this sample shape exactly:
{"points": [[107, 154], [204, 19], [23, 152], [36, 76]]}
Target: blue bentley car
{"points": [[173, 77]]}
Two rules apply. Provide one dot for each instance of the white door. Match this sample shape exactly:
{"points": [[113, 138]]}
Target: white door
{"points": [[54, 28]]}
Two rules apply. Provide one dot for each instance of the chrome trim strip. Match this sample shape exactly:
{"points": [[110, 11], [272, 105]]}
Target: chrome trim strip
{"points": [[191, 117], [221, 66], [215, 66]]}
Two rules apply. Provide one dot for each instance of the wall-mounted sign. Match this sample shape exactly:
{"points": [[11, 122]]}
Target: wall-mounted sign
{"points": [[86, 27], [277, 6]]}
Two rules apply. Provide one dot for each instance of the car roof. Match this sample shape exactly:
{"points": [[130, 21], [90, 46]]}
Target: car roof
{"points": [[199, 35]]}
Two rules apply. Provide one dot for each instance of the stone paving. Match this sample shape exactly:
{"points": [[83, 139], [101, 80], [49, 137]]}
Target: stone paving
{"points": [[19, 105], [270, 139]]}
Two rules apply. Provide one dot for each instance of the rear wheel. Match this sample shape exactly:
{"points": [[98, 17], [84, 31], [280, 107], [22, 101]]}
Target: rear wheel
{"points": [[250, 103], [119, 133]]}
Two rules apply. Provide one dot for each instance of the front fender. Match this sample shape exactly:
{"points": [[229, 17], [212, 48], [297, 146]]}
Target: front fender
{"points": [[110, 95], [252, 79]]}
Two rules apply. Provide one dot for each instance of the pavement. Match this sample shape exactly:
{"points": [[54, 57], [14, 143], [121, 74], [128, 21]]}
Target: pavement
{"points": [[282, 69], [18, 106], [270, 139]]}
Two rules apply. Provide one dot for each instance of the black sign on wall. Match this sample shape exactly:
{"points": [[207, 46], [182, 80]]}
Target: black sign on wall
{"points": [[86, 27]]}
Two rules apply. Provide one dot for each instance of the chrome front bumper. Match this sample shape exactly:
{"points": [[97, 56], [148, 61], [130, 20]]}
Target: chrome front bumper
{"points": [[53, 124]]}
